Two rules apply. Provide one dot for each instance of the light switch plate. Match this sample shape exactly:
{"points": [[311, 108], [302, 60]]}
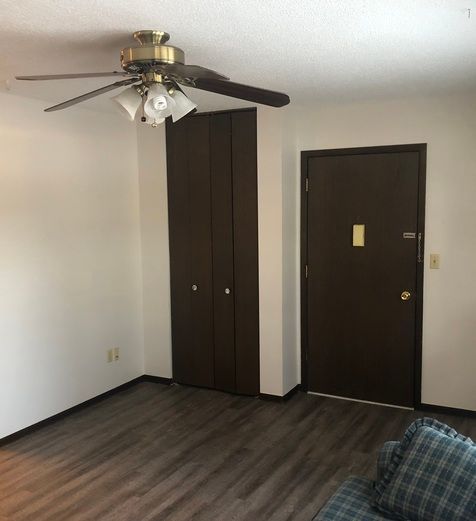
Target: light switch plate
{"points": [[434, 261]]}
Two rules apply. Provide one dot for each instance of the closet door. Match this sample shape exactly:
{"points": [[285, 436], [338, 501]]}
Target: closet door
{"points": [[245, 239], [223, 251], [213, 226], [188, 172]]}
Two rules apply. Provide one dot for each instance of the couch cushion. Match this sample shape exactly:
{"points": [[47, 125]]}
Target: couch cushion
{"points": [[351, 502], [432, 476]]}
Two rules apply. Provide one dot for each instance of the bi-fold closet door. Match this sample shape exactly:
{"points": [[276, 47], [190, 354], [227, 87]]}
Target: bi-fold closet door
{"points": [[213, 233]]}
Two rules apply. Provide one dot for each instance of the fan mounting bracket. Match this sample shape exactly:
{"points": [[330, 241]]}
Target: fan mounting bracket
{"points": [[151, 37]]}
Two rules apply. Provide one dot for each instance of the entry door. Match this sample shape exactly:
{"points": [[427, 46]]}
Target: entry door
{"points": [[363, 286]]}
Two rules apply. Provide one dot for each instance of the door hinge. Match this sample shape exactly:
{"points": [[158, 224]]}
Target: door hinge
{"points": [[307, 184], [306, 271]]}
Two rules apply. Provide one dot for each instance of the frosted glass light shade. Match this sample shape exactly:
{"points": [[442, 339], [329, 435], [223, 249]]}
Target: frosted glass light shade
{"points": [[159, 104], [182, 106], [128, 102]]}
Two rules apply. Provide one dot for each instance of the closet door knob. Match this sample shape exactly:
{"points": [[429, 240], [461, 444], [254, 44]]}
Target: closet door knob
{"points": [[194, 287], [227, 291]]}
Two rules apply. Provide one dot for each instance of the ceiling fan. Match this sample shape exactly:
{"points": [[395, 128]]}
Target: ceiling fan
{"points": [[154, 72]]}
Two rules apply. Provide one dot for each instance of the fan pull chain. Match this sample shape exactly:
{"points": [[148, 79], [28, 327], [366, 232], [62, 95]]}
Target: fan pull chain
{"points": [[143, 118]]}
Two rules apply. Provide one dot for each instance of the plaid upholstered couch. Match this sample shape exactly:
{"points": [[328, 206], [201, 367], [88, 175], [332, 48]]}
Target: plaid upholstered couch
{"points": [[429, 476]]}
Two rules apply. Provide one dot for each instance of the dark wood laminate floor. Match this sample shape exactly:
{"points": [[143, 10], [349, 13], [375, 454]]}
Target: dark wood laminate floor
{"points": [[155, 452]]}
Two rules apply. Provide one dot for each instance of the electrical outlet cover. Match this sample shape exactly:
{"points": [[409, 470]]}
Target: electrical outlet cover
{"points": [[434, 261]]}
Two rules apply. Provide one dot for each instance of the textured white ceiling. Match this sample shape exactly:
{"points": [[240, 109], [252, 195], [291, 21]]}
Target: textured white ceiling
{"points": [[315, 50]]}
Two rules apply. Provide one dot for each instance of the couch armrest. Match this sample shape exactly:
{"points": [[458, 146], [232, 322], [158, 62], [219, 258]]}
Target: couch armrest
{"points": [[384, 456]]}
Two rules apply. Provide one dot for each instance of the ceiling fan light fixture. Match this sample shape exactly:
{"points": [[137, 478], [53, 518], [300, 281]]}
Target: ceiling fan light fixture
{"points": [[128, 102], [183, 105], [159, 104]]}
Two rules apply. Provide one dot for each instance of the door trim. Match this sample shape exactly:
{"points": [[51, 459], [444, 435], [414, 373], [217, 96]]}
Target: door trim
{"points": [[421, 148]]}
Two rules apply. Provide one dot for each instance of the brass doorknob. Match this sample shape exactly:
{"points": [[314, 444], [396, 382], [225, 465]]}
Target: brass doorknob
{"points": [[405, 295]]}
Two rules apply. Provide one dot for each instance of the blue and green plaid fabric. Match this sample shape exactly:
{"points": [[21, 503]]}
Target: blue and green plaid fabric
{"points": [[385, 457], [431, 476], [351, 502]]}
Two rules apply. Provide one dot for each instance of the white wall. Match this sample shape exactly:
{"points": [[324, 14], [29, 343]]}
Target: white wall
{"points": [[270, 248], [70, 273], [155, 250], [291, 248], [277, 192], [448, 125]]}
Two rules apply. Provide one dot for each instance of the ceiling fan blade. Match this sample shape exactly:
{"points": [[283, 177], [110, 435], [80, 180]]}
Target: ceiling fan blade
{"points": [[72, 76], [190, 71], [246, 92], [92, 94]]}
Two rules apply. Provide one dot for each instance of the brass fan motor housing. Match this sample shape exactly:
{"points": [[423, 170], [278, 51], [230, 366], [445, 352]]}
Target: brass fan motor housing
{"points": [[150, 53]]}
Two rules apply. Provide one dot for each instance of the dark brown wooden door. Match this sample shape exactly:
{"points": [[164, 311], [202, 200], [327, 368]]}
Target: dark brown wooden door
{"points": [[188, 173], [361, 335], [245, 233], [213, 225], [223, 252]]}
